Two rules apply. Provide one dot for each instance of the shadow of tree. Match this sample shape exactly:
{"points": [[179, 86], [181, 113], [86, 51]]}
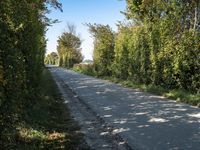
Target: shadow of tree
{"points": [[139, 117]]}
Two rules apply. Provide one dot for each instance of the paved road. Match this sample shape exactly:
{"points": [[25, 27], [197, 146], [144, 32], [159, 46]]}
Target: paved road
{"points": [[145, 121]]}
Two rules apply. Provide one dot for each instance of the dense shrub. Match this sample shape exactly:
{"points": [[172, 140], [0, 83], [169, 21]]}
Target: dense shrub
{"points": [[103, 54], [52, 59], [161, 50], [68, 48], [85, 68], [160, 45], [22, 49]]}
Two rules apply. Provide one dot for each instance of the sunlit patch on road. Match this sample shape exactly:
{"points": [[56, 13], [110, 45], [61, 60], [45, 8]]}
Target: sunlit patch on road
{"points": [[158, 120]]}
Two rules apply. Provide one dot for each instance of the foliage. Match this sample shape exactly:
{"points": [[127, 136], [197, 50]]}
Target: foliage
{"points": [[52, 59], [159, 47], [179, 95], [85, 69], [46, 125], [69, 48], [22, 49], [103, 48], [162, 47]]}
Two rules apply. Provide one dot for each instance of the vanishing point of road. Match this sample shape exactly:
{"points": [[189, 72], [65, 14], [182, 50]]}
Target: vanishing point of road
{"points": [[114, 117]]}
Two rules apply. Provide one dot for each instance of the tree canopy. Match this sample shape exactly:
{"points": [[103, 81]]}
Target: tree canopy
{"points": [[103, 54], [52, 59], [160, 45], [22, 48], [68, 48]]}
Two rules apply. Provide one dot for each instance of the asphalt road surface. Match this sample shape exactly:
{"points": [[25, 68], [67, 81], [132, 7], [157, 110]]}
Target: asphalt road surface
{"points": [[131, 118]]}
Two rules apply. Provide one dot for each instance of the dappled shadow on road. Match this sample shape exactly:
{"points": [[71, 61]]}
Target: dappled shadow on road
{"points": [[140, 117]]}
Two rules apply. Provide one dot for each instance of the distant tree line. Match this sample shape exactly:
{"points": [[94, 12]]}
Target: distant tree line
{"points": [[68, 48], [160, 44], [22, 48], [52, 59]]}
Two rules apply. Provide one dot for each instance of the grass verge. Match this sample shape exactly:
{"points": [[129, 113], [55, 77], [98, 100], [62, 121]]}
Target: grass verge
{"points": [[48, 124], [180, 95]]}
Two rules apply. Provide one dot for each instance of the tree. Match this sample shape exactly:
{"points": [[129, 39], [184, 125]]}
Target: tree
{"points": [[22, 48], [103, 54], [171, 32], [121, 59], [52, 59], [68, 48]]}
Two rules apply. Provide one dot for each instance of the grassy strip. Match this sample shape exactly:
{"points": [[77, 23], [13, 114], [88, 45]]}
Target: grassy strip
{"points": [[48, 124], [179, 95]]}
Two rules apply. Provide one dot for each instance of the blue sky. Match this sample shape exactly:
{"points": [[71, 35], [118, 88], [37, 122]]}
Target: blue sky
{"points": [[79, 12]]}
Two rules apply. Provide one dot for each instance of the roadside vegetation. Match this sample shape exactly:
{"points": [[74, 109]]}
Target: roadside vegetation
{"points": [[180, 95], [156, 50], [32, 114], [46, 125], [68, 48], [22, 49], [87, 69], [52, 59]]}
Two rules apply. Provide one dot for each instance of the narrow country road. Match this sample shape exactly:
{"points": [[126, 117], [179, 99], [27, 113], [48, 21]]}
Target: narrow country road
{"points": [[130, 118]]}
